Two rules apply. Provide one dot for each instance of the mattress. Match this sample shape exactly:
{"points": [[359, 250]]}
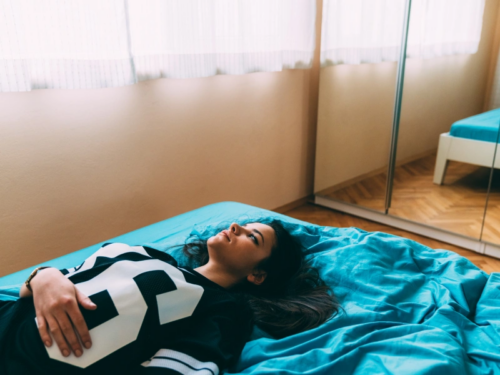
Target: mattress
{"points": [[160, 235], [409, 309], [482, 127]]}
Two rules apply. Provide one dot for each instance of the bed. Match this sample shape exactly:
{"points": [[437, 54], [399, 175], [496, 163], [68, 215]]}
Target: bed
{"points": [[409, 309], [471, 140]]}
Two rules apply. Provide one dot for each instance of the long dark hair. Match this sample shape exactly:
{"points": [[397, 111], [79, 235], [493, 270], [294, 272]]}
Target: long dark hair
{"points": [[293, 298]]}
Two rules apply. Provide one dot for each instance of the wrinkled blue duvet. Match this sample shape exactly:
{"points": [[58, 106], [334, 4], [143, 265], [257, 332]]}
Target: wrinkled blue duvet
{"points": [[408, 309]]}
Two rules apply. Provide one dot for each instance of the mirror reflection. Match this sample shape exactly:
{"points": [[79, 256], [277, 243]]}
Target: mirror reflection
{"points": [[447, 188], [491, 226], [353, 141], [448, 131], [360, 45], [449, 116]]}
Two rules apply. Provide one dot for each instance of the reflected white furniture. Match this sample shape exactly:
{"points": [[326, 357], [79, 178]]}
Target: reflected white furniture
{"points": [[464, 150]]}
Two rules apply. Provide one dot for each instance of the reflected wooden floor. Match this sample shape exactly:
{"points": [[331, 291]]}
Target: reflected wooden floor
{"points": [[328, 217], [457, 205]]}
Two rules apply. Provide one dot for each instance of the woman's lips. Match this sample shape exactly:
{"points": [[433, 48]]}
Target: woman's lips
{"points": [[224, 232]]}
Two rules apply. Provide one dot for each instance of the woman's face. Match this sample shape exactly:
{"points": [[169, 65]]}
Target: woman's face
{"points": [[240, 248]]}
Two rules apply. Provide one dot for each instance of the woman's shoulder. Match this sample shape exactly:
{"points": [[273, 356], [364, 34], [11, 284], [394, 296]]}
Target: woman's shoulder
{"points": [[160, 255]]}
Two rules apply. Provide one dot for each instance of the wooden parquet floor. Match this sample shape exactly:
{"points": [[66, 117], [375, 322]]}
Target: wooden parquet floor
{"points": [[328, 217], [457, 205]]}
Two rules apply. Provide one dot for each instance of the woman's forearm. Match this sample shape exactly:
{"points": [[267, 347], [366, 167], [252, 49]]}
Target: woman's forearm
{"points": [[24, 292]]}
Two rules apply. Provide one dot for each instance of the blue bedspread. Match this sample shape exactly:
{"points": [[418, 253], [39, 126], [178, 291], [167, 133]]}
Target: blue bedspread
{"points": [[408, 309], [482, 127]]}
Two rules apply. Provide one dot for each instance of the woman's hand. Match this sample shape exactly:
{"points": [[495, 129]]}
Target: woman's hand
{"points": [[56, 304]]}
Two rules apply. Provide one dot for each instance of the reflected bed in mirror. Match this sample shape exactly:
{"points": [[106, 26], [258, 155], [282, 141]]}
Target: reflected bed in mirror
{"points": [[471, 140], [450, 191]]}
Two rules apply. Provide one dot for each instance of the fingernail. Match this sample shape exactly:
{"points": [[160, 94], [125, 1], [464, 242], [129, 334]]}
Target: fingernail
{"points": [[88, 344], [47, 344], [92, 304], [65, 353], [78, 353]]}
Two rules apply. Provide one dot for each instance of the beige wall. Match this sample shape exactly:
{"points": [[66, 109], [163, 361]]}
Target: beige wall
{"points": [[356, 107], [81, 166]]}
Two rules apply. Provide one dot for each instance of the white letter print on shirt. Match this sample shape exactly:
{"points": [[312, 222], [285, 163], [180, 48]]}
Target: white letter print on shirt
{"points": [[129, 302]]}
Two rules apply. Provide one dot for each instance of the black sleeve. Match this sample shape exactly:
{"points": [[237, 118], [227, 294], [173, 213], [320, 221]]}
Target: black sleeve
{"points": [[211, 345]]}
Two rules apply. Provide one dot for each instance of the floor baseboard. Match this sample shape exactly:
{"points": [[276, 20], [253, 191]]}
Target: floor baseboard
{"points": [[294, 204]]}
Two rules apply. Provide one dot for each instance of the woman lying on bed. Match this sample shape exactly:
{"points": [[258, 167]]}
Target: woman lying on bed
{"points": [[146, 314]]}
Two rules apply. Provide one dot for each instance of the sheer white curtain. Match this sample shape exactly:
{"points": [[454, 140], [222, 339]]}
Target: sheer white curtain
{"points": [[95, 43], [369, 31]]}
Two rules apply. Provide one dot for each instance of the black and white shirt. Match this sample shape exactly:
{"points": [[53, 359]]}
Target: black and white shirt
{"points": [[152, 317]]}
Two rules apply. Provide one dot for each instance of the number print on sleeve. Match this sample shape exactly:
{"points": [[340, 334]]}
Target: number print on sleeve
{"points": [[123, 329]]}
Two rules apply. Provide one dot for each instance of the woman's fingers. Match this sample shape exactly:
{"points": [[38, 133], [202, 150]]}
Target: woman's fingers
{"points": [[56, 301], [80, 326], [43, 330], [68, 331], [58, 336]]}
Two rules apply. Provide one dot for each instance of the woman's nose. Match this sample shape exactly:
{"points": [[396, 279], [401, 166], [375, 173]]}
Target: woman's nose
{"points": [[235, 228]]}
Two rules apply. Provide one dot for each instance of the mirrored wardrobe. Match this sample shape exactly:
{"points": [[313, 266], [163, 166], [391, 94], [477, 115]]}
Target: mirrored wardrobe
{"points": [[408, 124]]}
